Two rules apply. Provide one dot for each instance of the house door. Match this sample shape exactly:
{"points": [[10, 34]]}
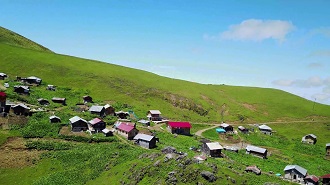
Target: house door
{"points": [[294, 176]]}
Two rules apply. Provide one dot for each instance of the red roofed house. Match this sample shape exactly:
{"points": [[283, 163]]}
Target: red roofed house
{"points": [[179, 127], [127, 130], [311, 180], [325, 179], [96, 125]]}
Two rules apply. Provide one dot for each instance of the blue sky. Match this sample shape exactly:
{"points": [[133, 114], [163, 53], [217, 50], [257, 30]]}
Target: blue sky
{"points": [[276, 44]]}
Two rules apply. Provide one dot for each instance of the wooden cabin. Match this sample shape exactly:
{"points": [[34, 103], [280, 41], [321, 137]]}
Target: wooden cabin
{"points": [[54, 119], [122, 115], [327, 149], [295, 173], [59, 100], [109, 110], [256, 151], [107, 132], [87, 99], [78, 124], [21, 109], [325, 179], [20, 89], [3, 76], [154, 115], [146, 141], [42, 101], [243, 129], [227, 127], [182, 128], [265, 129], [32, 80], [309, 139], [128, 130], [96, 125], [212, 148], [96, 109]]}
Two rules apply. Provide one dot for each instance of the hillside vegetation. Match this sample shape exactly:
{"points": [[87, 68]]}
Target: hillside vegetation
{"points": [[141, 91], [12, 38]]}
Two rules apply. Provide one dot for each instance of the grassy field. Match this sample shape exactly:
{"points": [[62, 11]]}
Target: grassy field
{"points": [[37, 152]]}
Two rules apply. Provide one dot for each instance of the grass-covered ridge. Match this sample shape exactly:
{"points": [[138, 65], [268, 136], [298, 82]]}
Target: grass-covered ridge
{"points": [[12, 38], [177, 99]]}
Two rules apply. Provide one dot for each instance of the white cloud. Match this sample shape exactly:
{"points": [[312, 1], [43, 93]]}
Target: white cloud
{"points": [[325, 31], [314, 81], [321, 97], [256, 30], [326, 89], [315, 65]]}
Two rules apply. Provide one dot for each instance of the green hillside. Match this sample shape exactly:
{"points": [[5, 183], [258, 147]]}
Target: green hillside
{"points": [[12, 38], [176, 99]]}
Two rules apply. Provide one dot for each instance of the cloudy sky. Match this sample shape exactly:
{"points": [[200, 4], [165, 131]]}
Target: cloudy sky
{"points": [[278, 44]]}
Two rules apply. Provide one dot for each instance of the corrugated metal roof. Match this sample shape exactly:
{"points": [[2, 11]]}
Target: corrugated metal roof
{"points": [[214, 146], [52, 117], [34, 78], [21, 105], [143, 121], [327, 176], [312, 177], [255, 149], [180, 124], [95, 121], [241, 127], [96, 108], [144, 137], [313, 136], [155, 112], [328, 144], [106, 130], [125, 127], [265, 127], [22, 86], [300, 169], [224, 125], [3, 74], [58, 99], [107, 106], [76, 118]]}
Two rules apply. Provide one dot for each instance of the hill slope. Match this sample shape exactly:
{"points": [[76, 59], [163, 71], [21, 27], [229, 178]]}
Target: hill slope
{"points": [[142, 90], [12, 38]]}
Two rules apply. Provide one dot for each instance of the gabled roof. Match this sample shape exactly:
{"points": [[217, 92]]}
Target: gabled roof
{"points": [[106, 131], [313, 178], [3, 74], [155, 112], [255, 149], [53, 117], [122, 112], [107, 106], [96, 108], [214, 146], [125, 127], [144, 137], [265, 127], [21, 105], [22, 86], [327, 176], [328, 144], [33, 78], [312, 135], [179, 124], [76, 118], [95, 121], [241, 127], [224, 125], [300, 169]]}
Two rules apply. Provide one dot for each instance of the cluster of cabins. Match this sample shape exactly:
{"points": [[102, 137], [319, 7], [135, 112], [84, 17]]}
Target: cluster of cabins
{"points": [[299, 174]]}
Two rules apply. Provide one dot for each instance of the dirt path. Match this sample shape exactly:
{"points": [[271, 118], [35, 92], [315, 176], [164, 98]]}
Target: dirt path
{"points": [[199, 133]]}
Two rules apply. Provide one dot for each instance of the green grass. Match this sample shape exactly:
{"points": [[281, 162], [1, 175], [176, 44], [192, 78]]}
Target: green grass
{"points": [[12, 38], [5, 134]]}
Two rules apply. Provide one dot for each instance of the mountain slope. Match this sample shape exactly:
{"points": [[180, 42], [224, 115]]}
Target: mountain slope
{"points": [[12, 38], [177, 99]]}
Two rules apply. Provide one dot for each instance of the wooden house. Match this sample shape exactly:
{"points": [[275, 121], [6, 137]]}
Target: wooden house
{"points": [[32, 80], [154, 115], [179, 127], [146, 141], [87, 99], [109, 110], [21, 109], [59, 100], [227, 127], [325, 179], [122, 115], [51, 87], [3, 76], [96, 109], [107, 132], [295, 173], [311, 180], [243, 129], [78, 124], [54, 119], [265, 129], [42, 101], [256, 151], [20, 89], [327, 149], [212, 148], [127, 130], [309, 139], [96, 125]]}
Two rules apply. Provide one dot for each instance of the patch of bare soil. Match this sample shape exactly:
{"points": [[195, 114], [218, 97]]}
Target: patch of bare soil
{"points": [[249, 106], [14, 154]]}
